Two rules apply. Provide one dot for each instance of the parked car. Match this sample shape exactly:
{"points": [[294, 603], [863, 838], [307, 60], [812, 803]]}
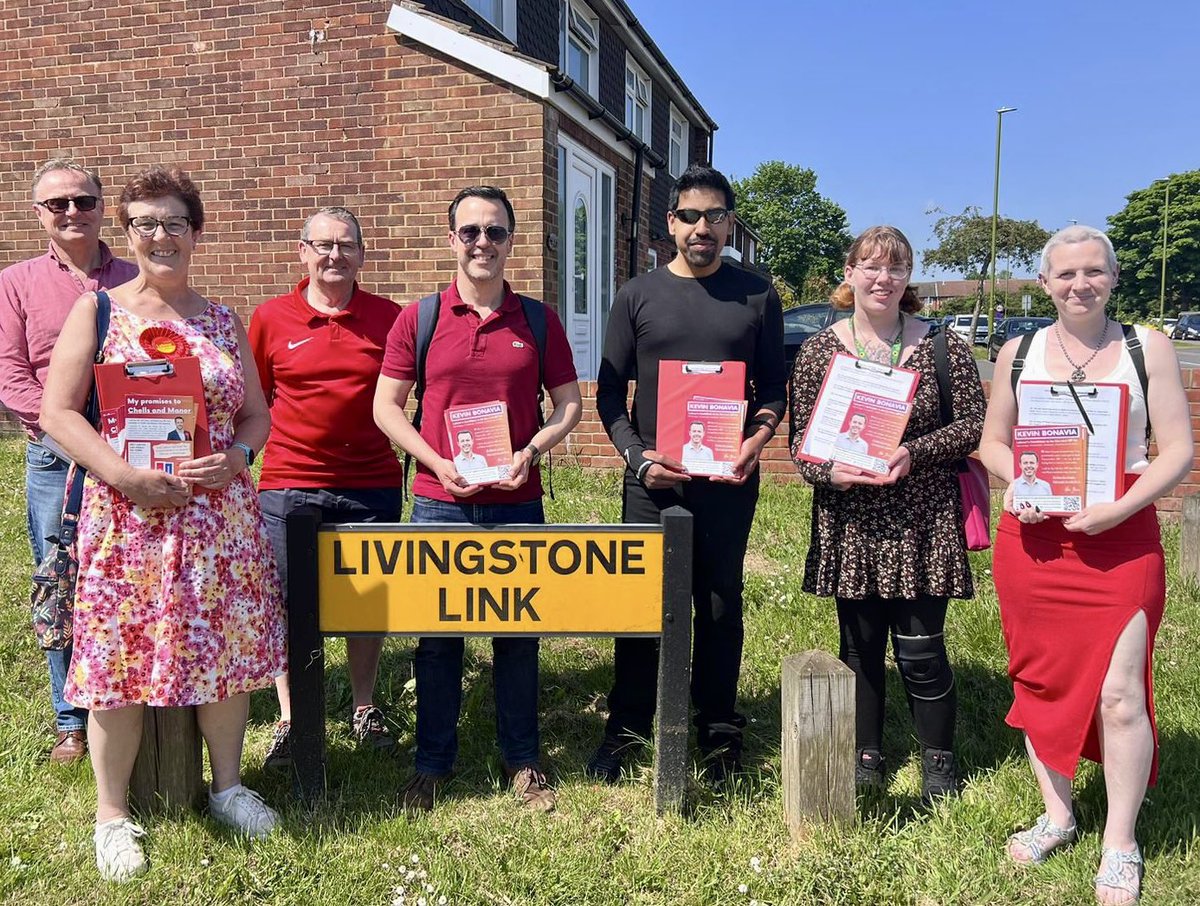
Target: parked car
{"points": [[802, 321], [1188, 326], [962, 327], [1013, 327], [1168, 325]]}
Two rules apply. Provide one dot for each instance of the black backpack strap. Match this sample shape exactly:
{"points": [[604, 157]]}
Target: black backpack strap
{"points": [[535, 316], [1138, 354], [428, 310], [1018, 362]]}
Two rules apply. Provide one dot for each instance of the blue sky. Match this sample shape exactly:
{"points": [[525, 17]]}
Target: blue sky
{"points": [[893, 105]]}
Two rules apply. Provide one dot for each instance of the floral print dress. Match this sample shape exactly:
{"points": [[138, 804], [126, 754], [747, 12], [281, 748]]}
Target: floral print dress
{"points": [[177, 607]]}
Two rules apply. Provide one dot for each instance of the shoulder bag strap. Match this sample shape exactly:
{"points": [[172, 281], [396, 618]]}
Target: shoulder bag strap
{"points": [[1018, 362], [428, 310], [1138, 354]]}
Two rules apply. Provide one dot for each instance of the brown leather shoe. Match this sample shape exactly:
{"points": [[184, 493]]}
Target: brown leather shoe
{"points": [[530, 786], [69, 747]]}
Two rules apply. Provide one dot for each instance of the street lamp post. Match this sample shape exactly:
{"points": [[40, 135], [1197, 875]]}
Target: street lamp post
{"points": [[995, 215], [1162, 290]]}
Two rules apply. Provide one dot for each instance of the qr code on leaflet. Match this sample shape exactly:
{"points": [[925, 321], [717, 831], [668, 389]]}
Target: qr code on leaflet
{"points": [[1071, 504]]}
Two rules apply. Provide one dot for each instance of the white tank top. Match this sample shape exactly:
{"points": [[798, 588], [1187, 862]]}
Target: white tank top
{"points": [[1135, 440]]}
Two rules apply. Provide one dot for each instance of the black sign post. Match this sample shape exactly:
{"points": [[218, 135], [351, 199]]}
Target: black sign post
{"points": [[306, 654]]}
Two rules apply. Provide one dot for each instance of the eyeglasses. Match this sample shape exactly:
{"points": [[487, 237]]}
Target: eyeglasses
{"points": [[469, 234], [60, 205], [691, 215], [896, 272], [326, 246], [147, 227]]}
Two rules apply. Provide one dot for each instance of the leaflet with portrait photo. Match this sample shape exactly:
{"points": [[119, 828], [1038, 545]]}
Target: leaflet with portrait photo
{"points": [[1050, 468], [714, 435], [702, 414], [860, 414], [479, 441]]}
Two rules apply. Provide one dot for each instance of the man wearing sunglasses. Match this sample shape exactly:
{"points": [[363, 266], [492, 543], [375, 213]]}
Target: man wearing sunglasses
{"points": [[483, 348], [35, 297], [697, 308], [318, 349]]}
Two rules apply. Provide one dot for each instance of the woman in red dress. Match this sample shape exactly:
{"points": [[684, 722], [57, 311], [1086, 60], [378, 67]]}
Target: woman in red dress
{"points": [[1081, 597]]}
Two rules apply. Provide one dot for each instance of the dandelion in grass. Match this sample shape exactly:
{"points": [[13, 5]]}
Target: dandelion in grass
{"points": [[756, 864], [743, 888], [415, 859]]}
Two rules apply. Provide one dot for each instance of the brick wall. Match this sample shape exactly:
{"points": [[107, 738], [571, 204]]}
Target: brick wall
{"points": [[590, 447]]}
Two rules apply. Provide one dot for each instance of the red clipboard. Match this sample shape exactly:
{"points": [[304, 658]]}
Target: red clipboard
{"points": [[712, 394], [153, 412]]}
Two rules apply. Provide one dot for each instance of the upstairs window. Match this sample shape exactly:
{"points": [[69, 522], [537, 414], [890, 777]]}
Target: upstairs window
{"points": [[677, 158], [501, 13], [637, 101], [581, 45]]}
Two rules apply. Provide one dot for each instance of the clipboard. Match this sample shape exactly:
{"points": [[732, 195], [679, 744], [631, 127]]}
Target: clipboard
{"points": [[152, 413], [1102, 408], [712, 395]]}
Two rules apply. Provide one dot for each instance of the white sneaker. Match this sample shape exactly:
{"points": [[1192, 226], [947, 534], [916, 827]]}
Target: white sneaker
{"points": [[245, 812], [119, 856]]}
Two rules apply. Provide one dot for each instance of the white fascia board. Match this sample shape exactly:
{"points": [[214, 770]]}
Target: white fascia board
{"points": [[578, 114], [471, 51]]}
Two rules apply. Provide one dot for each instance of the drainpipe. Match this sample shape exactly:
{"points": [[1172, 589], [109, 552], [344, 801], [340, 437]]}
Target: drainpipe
{"points": [[635, 221]]}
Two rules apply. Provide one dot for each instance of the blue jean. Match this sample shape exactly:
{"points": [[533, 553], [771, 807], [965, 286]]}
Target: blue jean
{"points": [[45, 487], [439, 663]]}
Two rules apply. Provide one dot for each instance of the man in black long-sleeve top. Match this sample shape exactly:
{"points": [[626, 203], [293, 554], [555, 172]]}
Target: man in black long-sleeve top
{"points": [[697, 308]]}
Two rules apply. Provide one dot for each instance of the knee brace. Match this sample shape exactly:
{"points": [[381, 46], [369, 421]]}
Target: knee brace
{"points": [[923, 665]]}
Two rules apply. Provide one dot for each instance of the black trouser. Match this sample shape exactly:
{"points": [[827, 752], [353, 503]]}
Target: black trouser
{"points": [[722, 515], [920, 651]]}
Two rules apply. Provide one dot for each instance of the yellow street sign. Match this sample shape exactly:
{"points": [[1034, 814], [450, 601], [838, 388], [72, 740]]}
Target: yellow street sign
{"points": [[494, 580]]}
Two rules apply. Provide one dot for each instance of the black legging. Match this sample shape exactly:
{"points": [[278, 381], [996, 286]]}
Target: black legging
{"points": [[920, 652]]}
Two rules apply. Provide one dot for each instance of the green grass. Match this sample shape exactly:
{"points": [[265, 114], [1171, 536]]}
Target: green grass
{"points": [[604, 845]]}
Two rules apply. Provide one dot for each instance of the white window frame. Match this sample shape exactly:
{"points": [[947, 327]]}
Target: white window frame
{"points": [[677, 155], [508, 16], [638, 95], [583, 26]]}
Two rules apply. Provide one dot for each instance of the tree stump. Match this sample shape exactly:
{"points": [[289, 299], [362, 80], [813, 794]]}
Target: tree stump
{"points": [[818, 740], [1189, 539], [167, 774]]}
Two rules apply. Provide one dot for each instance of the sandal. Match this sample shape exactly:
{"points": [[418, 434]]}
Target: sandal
{"points": [[1113, 874], [1041, 840]]}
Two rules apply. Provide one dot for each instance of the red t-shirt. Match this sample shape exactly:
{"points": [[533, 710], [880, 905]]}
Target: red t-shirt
{"points": [[319, 372], [473, 361]]}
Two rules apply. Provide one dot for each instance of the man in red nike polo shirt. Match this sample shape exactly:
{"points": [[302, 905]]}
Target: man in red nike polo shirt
{"points": [[482, 350], [318, 349]]}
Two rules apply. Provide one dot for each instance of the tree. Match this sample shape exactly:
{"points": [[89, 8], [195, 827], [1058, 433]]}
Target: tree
{"points": [[804, 235], [1136, 234], [965, 246]]}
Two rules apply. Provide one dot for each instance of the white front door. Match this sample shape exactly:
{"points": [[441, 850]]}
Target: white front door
{"points": [[585, 253]]}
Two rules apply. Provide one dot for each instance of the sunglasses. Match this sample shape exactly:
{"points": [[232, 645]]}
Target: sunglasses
{"points": [[60, 205], [470, 234], [691, 215]]}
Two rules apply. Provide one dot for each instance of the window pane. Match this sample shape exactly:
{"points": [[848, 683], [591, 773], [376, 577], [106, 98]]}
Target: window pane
{"points": [[606, 250], [581, 256], [577, 64]]}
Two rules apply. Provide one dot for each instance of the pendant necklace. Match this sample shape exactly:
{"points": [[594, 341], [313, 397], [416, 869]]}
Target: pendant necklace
{"points": [[896, 343], [1079, 374]]}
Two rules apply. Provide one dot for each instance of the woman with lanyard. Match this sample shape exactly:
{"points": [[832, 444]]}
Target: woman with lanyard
{"points": [[1081, 598], [890, 549]]}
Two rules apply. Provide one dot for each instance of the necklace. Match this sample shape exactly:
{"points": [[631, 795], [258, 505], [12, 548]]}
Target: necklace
{"points": [[896, 343], [1079, 373]]}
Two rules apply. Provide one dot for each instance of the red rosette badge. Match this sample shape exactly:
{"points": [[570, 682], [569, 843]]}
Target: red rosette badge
{"points": [[163, 343]]}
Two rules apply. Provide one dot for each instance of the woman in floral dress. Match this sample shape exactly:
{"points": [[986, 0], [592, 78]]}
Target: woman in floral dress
{"points": [[177, 601]]}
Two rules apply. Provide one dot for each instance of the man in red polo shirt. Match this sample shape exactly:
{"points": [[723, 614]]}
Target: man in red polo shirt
{"points": [[318, 350], [482, 349]]}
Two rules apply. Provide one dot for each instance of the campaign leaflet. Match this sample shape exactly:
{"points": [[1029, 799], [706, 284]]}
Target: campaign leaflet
{"points": [[1050, 468], [479, 441], [870, 432], [152, 431], [714, 435]]}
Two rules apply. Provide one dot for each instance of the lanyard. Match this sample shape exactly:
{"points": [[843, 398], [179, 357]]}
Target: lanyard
{"points": [[897, 342]]}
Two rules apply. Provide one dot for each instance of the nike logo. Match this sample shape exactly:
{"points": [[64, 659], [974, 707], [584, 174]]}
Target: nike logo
{"points": [[292, 345]]}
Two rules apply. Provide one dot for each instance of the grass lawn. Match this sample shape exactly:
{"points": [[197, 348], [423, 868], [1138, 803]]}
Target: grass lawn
{"points": [[604, 845]]}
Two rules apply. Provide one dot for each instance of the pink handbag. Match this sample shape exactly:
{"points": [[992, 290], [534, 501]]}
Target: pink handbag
{"points": [[974, 489]]}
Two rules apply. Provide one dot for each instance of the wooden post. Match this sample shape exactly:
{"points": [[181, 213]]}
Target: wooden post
{"points": [[1189, 539], [167, 773], [674, 663], [306, 655], [818, 740]]}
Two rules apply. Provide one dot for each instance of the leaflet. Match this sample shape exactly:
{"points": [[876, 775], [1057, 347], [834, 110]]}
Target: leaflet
{"points": [[480, 441], [702, 414], [860, 414], [1050, 468]]}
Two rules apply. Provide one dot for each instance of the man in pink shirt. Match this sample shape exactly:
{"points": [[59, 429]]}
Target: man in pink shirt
{"points": [[35, 297]]}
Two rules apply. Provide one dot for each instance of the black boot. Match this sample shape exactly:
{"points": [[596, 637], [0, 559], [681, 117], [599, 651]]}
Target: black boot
{"points": [[869, 769], [938, 775]]}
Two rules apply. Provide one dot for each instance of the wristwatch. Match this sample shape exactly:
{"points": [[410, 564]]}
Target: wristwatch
{"points": [[535, 455], [246, 449]]}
